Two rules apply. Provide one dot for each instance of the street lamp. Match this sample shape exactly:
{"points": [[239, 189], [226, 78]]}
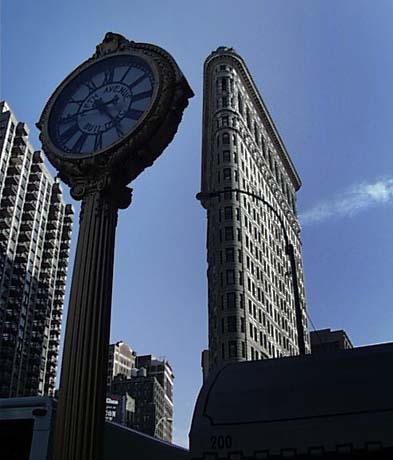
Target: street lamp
{"points": [[162, 419], [289, 250]]}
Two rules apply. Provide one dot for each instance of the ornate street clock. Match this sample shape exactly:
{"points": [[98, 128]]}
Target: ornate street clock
{"points": [[115, 113], [103, 125]]}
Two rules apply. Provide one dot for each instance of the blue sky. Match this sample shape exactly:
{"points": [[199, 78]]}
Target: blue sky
{"points": [[325, 71]]}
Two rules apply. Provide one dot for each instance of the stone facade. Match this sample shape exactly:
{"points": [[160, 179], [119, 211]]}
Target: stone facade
{"points": [[121, 360], [250, 294]]}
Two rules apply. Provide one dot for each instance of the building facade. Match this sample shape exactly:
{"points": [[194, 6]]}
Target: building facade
{"points": [[35, 233], [121, 360], [324, 340], [150, 385], [250, 295], [162, 371]]}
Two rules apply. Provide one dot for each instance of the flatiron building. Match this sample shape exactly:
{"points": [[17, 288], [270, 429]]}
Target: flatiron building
{"points": [[251, 309]]}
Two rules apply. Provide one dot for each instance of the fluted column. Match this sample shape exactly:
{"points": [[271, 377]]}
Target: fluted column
{"points": [[81, 408]]}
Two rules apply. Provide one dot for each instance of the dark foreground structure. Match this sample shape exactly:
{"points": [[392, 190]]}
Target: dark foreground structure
{"points": [[26, 433], [336, 405]]}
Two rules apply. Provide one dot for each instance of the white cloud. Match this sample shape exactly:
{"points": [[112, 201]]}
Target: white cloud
{"points": [[353, 200]]}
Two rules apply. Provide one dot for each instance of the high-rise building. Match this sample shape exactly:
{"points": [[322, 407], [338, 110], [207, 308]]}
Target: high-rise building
{"points": [[149, 382], [162, 371], [324, 340], [121, 360], [35, 232], [250, 294]]}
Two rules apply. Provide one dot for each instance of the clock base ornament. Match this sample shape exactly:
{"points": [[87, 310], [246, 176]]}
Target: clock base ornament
{"points": [[104, 124]]}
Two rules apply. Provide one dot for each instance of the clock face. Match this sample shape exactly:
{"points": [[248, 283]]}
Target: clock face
{"points": [[101, 105]]}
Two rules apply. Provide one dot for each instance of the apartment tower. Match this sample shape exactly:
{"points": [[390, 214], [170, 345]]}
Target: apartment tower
{"points": [[250, 293], [35, 232]]}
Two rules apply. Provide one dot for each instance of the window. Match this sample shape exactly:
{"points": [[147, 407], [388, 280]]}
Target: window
{"points": [[224, 102], [248, 118], [226, 155], [240, 102], [230, 274], [228, 213], [224, 84], [231, 323], [227, 173], [225, 138], [231, 300], [232, 349], [229, 255], [228, 233]]}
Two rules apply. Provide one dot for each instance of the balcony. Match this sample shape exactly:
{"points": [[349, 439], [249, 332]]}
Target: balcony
{"points": [[11, 180], [59, 291], [28, 216], [36, 168], [15, 163], [35, 177], [25, 236], [58, 300], [46, 263], [23, 247], [20, 269], [31, 196], [27, 226], [53, 225], [8, 200], [65, 244], [4, 235], [7, 211], [68, 219], [33, 186], [21, 257], [5, 222], [30, 206], [61, 281], [62, 270], [51, 235], [19, 147]]}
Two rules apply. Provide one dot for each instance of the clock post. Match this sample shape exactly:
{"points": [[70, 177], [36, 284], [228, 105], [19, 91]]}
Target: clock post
{"points": [[104, 124]]}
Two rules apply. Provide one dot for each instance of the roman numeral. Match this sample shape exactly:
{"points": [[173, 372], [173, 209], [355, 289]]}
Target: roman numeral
{"points": [[137, 81], [125, 74], [133, 114], [79, 143], [144, 95], [98, 142], [69, 132], [90, 86], [69, 118], [119, 130], [108, 76]]}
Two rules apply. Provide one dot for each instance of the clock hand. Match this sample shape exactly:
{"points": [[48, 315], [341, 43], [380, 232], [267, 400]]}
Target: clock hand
{"points": [[103, 108]]}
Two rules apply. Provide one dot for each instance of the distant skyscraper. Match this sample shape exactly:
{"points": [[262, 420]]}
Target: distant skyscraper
{"points": [[35, 232], [149, 382], [121, 360], [250, 293], [324, 340]]}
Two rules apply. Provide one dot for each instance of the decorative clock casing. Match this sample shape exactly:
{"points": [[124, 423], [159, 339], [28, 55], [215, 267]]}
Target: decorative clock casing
{"points": [[115, 113]]}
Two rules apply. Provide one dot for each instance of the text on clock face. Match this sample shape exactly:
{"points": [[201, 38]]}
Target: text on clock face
{"points": [[102, 105]]}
